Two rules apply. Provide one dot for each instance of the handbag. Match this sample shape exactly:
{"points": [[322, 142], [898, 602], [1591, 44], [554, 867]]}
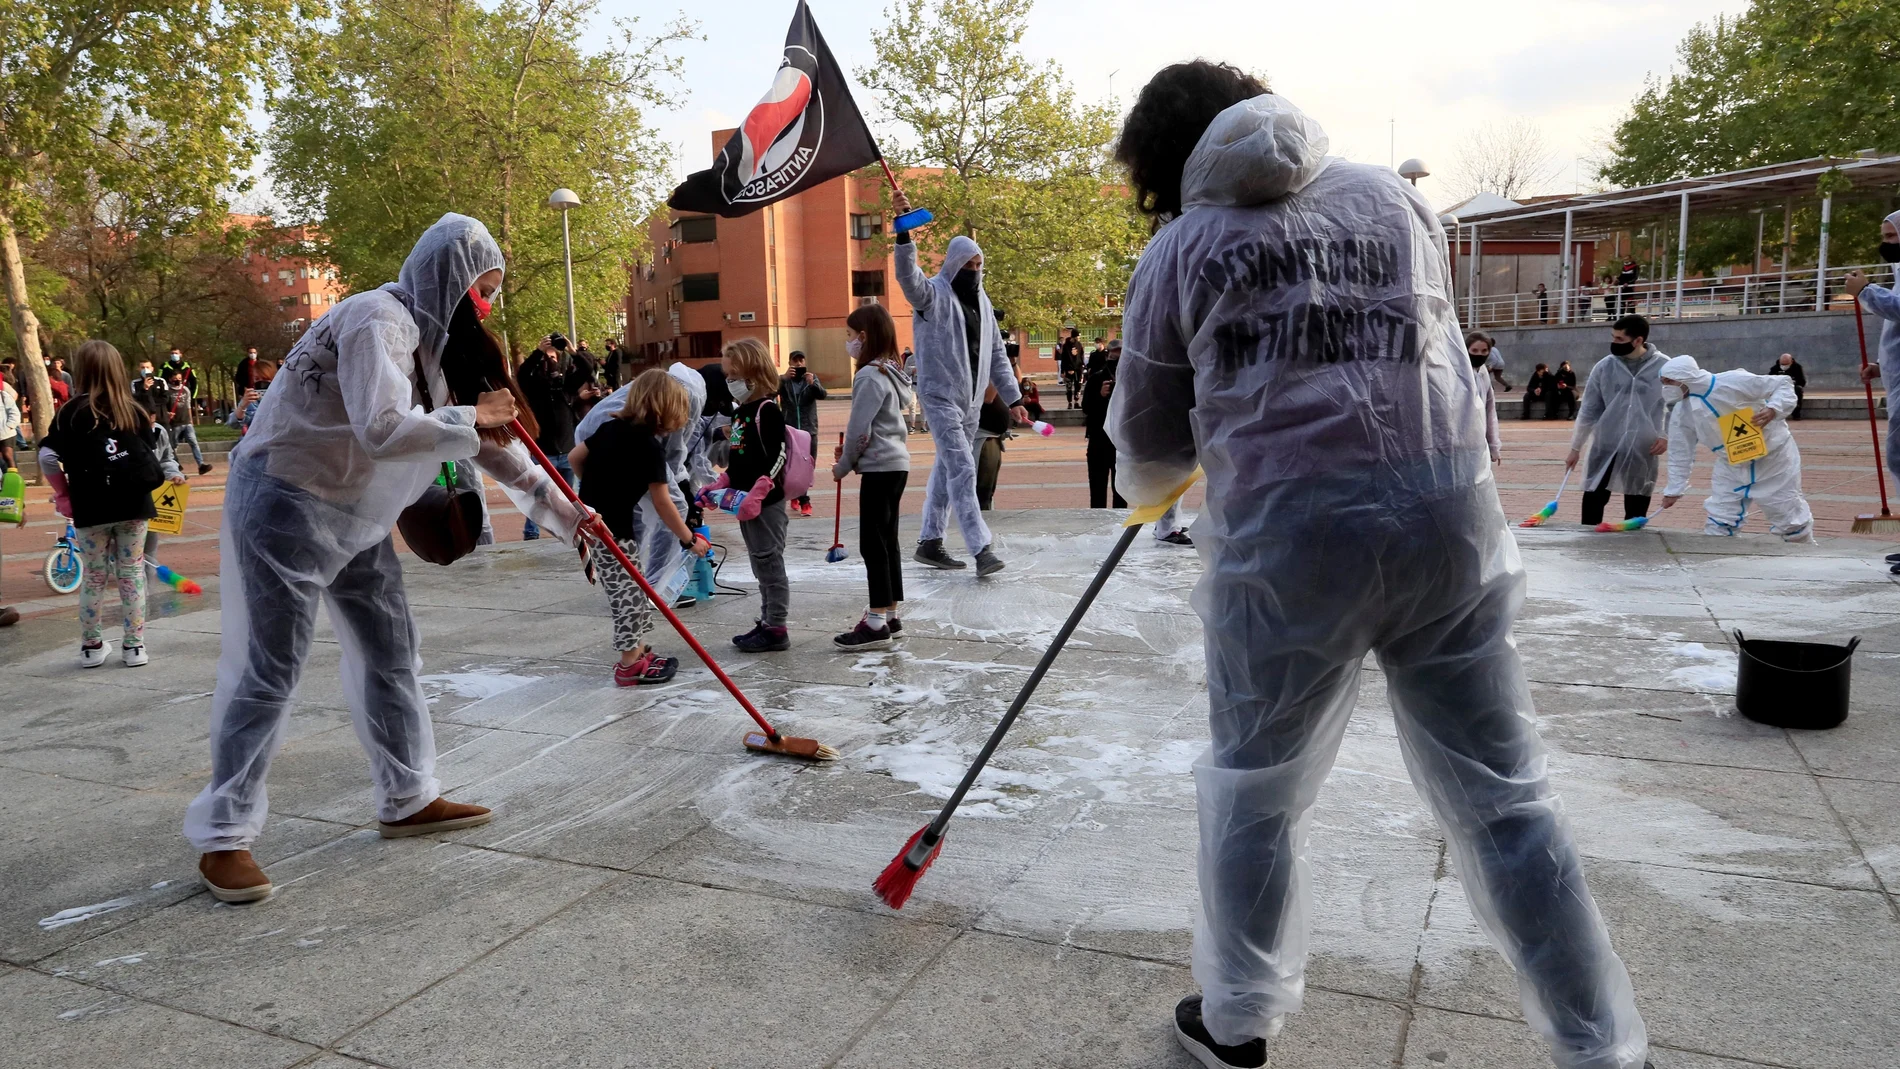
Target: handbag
{"points": [[443, 525], [801, 463]]}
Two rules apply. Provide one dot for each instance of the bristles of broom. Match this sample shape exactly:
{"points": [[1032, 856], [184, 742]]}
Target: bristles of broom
{"points": [[1884, 524], [900, 877]]}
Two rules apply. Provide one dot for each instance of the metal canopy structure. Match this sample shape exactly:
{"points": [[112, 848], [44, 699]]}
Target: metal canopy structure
{"points": [[1756, 190]]}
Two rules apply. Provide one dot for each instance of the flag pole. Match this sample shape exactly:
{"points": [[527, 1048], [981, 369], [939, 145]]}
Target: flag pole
{"points": [[912, 219]]}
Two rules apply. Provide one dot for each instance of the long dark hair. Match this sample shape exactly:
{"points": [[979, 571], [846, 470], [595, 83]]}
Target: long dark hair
{"points": [[1167, 121], [473, 364], [880, 334]]}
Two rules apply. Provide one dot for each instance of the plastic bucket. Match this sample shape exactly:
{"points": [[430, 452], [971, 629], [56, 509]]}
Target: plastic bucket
{"points": [[1794, 684]]}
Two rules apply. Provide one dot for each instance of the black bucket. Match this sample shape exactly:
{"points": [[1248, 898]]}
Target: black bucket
{"points": [[1794, 684]]}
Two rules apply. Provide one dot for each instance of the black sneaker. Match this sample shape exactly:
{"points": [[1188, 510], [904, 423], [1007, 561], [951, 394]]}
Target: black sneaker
{"points": [[987, 563], [741, 640], [764, 639], [1893, 558], [204, 469], [1177, 538], [930, 551], [1196, 1041], [863, 637], [896, 625]]}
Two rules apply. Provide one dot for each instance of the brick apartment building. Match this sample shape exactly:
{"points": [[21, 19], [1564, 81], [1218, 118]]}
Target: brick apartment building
{"points": [[788, 274], [283, 261]]}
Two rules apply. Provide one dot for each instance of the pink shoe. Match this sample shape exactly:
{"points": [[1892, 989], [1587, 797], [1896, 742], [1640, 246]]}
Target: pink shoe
{"points": [[652, 668]]}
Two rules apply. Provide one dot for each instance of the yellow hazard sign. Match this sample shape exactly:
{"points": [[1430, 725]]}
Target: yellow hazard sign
{"points": [[1742, 441], [169, 499]]}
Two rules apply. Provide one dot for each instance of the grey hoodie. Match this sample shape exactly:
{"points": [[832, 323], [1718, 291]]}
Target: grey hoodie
{"points": [[943, 351], [874, 438]]}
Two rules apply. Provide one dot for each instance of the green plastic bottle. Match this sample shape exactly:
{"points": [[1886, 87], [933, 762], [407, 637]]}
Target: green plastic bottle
{"points": [[12, 497]]}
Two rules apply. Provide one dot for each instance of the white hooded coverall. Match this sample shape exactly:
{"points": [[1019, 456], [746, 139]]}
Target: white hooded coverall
{"points": [[339, 447], [1293, 333], [951, 395], [1771, 483]]}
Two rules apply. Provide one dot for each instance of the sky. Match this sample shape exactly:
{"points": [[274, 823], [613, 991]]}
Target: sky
{"points": [[1384, 78]]}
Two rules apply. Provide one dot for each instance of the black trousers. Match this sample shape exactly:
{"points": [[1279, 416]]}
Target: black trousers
{"points": [[989, 465], [1561, 399], [880, 493], [1101, 455], [1594, 502]]}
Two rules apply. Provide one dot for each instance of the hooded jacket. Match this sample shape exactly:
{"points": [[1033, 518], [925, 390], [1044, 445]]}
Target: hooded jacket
{"points": [[1293, 324], [1696, 419], [941, 335], [1884, 302], [343, 419]]}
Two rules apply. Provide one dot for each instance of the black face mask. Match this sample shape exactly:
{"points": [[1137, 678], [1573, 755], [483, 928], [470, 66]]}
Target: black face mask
{"points": [[1477, 360], [965, 285], [1622, 348], [1890, 252]]}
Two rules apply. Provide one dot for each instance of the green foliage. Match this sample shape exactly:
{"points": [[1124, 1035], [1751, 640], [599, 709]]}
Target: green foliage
{"points": [[405, 109], [1785, 80], [1024, 168]]}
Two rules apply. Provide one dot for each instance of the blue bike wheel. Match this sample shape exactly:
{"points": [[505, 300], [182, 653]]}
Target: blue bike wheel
{"points": [[64, 569]]}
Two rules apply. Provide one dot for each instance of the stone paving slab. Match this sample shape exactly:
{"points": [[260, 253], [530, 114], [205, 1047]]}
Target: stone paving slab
{"points": [[651, 894]]}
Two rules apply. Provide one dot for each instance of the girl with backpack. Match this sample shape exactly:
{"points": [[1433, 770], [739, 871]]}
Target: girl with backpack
{"points": [[101, 457], [758, 452], [875, 447]]}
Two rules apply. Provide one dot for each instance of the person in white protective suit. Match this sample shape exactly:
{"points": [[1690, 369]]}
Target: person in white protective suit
{"points": [[1621, 421], [1770, 484], [1884, 302], [1290, 329], [342, 442], [959, 352], [686, 463]]}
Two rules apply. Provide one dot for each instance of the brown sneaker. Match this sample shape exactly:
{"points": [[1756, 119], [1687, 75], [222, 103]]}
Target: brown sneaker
{"points": [[439, 815], [233, 876], [9, 616]]}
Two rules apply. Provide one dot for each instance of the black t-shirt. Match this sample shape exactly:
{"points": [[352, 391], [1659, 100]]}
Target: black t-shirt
{"points": [[757, 448], [624, 460]]}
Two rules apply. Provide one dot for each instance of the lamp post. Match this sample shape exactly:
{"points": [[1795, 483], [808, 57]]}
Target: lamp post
{"points": [[1413, 169], [561, 200]]}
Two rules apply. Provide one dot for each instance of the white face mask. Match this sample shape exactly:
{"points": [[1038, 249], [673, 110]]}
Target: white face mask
{"points": [[739, 389], [1675, 394], [853, 346]]}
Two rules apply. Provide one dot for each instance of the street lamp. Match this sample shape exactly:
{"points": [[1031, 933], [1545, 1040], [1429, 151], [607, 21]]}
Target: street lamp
{"points": [[561, 200], [1413, 170]]}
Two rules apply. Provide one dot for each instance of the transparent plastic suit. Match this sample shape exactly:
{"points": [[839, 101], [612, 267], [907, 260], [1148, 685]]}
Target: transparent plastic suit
{"points": [[1292, 332], [1884, 302], [340, 445], [1621, 418], [950, 394], [1770, 484], [659, 546]]}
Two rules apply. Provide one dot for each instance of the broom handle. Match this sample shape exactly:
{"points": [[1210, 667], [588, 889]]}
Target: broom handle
{"points": [[1563, 484], [837, 517], [888, 176], [1873, 424], [1029, 687], [601, 532]]}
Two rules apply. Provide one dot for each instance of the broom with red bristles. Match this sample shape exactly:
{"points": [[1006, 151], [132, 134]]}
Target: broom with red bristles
{"points": [[1867, 523], [900, 877]]}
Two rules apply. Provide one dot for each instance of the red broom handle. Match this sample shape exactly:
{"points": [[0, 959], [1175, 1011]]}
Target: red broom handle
{"points": [[601, 532], [888, 176], [837, 516], [1873, 424]]}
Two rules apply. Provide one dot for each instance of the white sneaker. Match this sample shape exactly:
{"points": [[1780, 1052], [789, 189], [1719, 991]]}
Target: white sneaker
{"points": [[134, 656], [92, 656]]}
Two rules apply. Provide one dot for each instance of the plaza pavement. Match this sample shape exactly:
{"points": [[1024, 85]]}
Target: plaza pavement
{"points": [[651, 894]]}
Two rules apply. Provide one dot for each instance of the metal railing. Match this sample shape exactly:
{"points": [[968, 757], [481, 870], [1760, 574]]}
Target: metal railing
{"points": [[1763, 293]]}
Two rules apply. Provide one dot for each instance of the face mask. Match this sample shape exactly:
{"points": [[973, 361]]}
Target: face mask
{"points": [[853, 347], [965, 284], [1478, 359], [1890, 252], [1622, 348], [1674, 394], [145, 372], [739, 390], [481, 303]]}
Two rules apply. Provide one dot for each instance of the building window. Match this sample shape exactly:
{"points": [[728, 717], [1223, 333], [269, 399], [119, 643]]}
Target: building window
{"points": [[699, 287], [695, 229], [867, 283], [866, 227]]}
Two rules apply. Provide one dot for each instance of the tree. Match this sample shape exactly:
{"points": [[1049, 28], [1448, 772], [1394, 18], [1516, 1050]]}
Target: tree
{"points": [[1785, 80], [131, 94], [406, 109], [1510, 159], [1022, 167]]}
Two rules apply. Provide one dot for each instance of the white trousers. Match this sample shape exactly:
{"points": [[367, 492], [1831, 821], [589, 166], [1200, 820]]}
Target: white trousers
{"points": [[1770, 486], [952, 484]]}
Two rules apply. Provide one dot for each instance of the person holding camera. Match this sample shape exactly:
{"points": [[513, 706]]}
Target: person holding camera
{"points": [[799, 392], [551, 379]]}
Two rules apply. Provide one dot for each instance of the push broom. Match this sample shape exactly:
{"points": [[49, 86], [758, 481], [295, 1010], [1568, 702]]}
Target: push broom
{"points": [[766, 739], [1885, 523], [837, 551], [900, 877]]}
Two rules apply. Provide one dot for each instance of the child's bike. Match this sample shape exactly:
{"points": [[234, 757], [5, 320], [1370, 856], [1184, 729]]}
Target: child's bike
{"points": [[64, 567]]}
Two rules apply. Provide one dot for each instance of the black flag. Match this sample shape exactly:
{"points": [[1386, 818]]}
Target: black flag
{"points": [[805, 131]]}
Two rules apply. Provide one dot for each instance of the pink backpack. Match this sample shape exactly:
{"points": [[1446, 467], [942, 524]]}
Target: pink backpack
{"points": [[800, 463]]}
